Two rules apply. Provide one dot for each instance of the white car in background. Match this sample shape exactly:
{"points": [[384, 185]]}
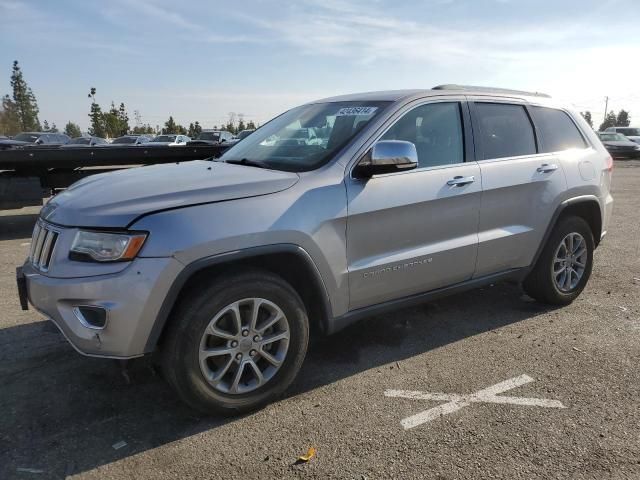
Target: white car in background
{"points": [[169, 140], [632, 133]]}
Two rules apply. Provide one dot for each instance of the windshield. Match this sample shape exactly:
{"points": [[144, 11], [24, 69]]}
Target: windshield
{"points": [[612, 137], [305, 137], [629, 131], [80, 141], [122, 140], [164, 138], [211, 136], [27, 137]]}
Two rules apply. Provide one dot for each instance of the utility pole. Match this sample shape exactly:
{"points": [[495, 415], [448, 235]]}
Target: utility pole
{"points": [[606, 105]]}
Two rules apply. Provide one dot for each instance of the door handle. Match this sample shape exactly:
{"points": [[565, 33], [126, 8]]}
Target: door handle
{"points": [[546, 168], [459, 181]]}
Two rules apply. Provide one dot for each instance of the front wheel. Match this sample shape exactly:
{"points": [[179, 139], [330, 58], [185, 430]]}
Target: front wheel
{"points": [[237, 344], [564, 267]]}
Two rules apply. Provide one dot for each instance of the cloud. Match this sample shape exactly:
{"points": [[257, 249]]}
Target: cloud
{"points": [[156, 11]]}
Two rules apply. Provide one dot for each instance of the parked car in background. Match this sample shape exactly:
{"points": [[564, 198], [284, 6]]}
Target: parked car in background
{"points": [[27, 139], [632, 133], [619, 146], [170, 140], [227, 267], [80, 142], [130, 140], [240, 136], [212, 137], [244, 134]]}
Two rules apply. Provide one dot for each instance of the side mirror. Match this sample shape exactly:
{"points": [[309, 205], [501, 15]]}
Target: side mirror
{"points": [[387, 156]]}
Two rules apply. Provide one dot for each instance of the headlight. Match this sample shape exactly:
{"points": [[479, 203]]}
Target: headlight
{"points": [[106, 247]]}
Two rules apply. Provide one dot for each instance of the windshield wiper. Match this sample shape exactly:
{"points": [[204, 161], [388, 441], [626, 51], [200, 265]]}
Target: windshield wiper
{"points": [[247, 162]]}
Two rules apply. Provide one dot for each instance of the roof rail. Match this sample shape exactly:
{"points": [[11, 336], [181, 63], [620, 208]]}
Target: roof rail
{"points": [[488, 90]]}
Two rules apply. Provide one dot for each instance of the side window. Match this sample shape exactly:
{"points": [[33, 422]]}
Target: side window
{"points": [[557, 130], [505, 130], [436, 131]]}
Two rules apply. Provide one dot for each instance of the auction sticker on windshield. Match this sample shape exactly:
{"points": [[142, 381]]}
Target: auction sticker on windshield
{"points": [[353, 111]]}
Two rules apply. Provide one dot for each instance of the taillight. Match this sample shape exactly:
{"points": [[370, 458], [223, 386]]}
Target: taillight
{"points": [[609, 164]]}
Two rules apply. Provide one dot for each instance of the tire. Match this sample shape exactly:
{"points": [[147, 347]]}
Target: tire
{"points": [[227, 299], [542, 284]]}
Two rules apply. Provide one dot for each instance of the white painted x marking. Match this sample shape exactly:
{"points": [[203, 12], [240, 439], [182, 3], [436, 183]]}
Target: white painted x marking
{"points": [[455, 402]]}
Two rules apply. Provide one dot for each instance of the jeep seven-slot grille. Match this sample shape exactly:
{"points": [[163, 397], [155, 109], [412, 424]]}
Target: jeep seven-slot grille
{"points": [[42, 243]]}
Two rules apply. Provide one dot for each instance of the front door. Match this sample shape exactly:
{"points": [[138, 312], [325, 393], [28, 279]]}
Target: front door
{"points": [[414, 231]]}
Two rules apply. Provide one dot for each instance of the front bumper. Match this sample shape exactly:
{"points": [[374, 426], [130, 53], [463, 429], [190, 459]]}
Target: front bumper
{"points": [[132, 299]]}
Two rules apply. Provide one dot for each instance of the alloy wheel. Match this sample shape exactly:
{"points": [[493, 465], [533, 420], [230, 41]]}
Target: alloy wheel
{"points": [[569, 262], [244, 345]]}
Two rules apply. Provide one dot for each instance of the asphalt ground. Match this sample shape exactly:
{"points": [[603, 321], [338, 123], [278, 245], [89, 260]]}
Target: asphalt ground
{"points": [[576, 367]]}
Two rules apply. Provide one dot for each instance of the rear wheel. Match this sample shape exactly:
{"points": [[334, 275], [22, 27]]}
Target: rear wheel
{"points": [[564, 267], [237, 344]]}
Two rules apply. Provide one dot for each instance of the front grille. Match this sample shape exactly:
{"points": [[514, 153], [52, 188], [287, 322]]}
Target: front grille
{"points": [[43, 241]]}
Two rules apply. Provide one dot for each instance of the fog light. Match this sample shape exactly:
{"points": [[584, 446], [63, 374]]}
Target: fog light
{"points": [[91, 316]]}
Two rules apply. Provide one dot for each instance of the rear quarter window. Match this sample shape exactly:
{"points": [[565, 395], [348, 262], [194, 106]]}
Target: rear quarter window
{"points": [[557, 130]]}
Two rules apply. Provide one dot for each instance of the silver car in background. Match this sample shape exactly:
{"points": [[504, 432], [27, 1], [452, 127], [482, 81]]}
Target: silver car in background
{"points": [[169, 140], [225, 268], [632, 133]]}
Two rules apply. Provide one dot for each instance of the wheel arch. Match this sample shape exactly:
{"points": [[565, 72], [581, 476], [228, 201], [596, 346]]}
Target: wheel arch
{"points": [[586, 207], [289, 261]]}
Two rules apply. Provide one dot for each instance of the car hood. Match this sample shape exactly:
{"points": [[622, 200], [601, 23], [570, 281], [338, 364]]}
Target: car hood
{"points": [[8, 142], [114, 200], [619, 143]]}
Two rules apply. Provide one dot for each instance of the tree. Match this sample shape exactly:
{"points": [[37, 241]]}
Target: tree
{"points": [[609, 121], [124, 119], [116, 121], [231, 124], [143, 129], [9, 121], [251, 125], [170, 126], [73, 130], [241, 126], [45, 126], [97, 127], [26, 106], [194, 130], [54, 128], [623, 119], [587, 116]]}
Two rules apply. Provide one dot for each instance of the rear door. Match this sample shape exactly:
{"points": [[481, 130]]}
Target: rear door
{"points": [[520, 185], [410, 232]]}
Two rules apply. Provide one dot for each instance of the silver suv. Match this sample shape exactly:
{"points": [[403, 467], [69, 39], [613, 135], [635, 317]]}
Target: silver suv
{"points": [[227, 267]]}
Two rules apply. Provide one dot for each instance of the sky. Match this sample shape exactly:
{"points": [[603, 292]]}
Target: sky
{"points": [[202, 59]]}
